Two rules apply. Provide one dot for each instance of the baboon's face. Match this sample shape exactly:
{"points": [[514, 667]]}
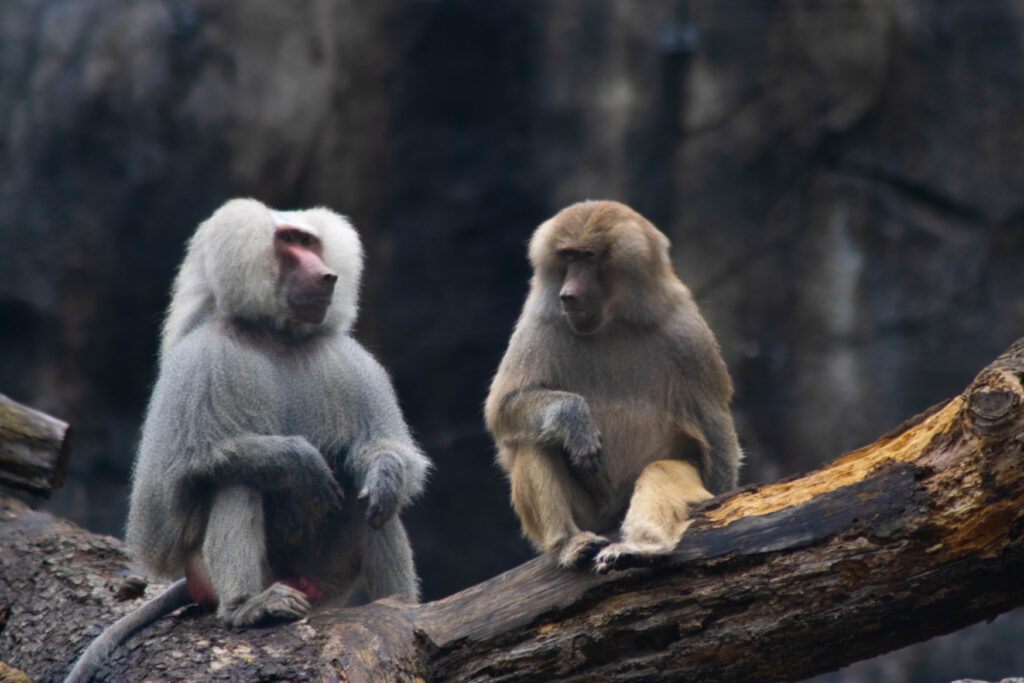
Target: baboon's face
{"points": [[586, 290]]}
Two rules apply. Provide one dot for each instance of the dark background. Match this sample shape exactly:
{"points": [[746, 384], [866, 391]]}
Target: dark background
{"points": [[842, 181]]}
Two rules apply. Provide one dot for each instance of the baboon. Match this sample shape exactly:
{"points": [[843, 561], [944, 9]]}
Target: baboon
{"points": [[274, 459], [610, 408]]}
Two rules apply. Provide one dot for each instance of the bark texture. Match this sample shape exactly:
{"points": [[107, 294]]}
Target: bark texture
{"points": [[920, 533]]}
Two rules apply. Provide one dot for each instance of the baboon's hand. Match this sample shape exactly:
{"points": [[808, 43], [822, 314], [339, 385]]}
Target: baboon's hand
{"points": [[382, 487], [315, 479], [568, 423]]}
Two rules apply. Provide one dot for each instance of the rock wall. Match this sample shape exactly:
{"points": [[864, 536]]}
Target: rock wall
{"points": [[841, 182]]}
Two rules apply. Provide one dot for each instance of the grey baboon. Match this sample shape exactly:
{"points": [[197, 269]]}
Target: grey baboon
{"points": [[274, 458]]}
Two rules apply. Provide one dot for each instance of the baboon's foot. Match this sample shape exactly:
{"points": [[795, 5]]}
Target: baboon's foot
{"points": [[639, 548], [277, 603], [578, 551]]}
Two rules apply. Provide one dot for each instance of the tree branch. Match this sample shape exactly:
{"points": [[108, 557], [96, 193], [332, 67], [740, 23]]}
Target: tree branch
{"points": [[917, 535], [33, 449]]}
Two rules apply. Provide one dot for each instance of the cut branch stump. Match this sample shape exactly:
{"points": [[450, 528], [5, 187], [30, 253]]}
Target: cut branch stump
{"points": [[33, 449]]}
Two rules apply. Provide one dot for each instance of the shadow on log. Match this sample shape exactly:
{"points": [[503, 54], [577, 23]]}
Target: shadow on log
{"points": [[916, 535]]}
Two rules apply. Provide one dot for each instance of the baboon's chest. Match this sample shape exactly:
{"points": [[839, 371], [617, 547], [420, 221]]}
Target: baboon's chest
{"points": [[317, 401]]}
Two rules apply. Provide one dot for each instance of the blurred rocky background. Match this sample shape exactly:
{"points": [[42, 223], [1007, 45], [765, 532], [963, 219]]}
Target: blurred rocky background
{"points": [[842, 181]]}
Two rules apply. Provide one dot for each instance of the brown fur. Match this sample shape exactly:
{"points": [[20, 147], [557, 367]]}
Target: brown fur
{"points": [[619, 424]]}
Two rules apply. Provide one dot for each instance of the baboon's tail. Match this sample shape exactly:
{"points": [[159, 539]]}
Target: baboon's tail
{"points": [[171, 599]]}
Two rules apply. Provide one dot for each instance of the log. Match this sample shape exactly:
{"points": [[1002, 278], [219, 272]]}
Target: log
{"points": [[33, 449], [916, 535]]}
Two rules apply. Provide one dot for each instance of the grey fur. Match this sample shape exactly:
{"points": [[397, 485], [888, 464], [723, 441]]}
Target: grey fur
{"points": [[272, 450], [383, 485], [567, 423]]}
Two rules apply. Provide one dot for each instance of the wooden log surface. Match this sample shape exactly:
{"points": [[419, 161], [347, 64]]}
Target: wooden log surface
{"points": [[918, 534], [33, 449]]}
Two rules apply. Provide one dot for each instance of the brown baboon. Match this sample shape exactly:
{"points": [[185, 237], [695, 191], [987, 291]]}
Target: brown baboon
{"points": [[610, 409]]}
